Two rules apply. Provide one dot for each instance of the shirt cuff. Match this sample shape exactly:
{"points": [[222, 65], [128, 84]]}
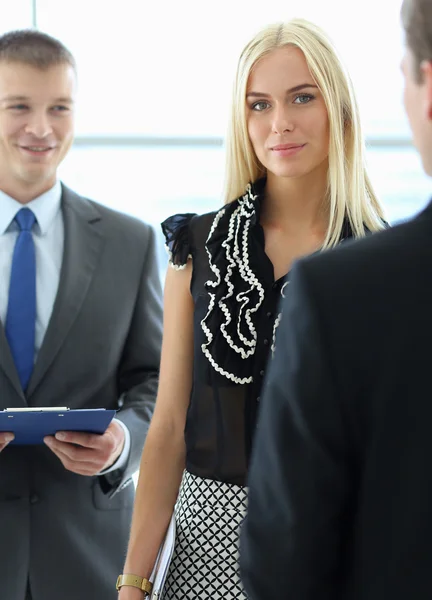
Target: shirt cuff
{"points": [[124, 456]]}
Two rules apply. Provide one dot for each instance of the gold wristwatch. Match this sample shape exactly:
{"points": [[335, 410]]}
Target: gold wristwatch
{"points": [[135, 581]]}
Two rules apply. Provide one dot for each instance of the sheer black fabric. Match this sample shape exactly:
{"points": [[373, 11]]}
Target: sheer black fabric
{"points": [[176, 232], [236, 315]]}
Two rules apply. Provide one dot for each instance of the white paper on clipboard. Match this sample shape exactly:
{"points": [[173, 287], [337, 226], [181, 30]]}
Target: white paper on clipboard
{"points": [[163, 561]]}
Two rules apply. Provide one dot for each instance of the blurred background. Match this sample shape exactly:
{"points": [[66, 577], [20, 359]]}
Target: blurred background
{"points": [[155, 84]]}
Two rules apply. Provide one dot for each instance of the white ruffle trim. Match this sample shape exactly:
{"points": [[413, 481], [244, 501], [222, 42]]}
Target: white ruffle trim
{"points": [[172, 264], [275, 327], [237, 255], [277, 320]]}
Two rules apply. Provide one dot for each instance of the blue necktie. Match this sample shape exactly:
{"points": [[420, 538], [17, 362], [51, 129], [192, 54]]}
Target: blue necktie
{"points": [[21, 312]]}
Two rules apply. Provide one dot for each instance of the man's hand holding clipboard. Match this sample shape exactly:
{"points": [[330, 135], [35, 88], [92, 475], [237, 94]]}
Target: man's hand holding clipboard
{"points": [[5, 438], [86, 441], [87, 453]]}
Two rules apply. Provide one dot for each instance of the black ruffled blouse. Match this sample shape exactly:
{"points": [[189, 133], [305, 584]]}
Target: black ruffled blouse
{"points": [[236, 316]]}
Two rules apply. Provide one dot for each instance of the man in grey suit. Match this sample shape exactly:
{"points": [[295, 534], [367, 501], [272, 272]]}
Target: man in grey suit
{"points": [[81, 324]]}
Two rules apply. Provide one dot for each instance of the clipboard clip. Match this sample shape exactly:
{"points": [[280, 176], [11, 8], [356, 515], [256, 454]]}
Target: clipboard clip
{"points": [[38, 409]]}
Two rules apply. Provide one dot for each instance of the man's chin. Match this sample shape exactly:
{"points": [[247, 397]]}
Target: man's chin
{"points": [[38, 175]]}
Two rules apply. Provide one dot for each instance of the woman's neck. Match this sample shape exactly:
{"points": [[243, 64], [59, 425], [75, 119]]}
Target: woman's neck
{"points": [[296, 203]]}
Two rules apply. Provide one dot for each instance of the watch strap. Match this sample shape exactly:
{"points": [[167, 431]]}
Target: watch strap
{"points": [[134, 581]]}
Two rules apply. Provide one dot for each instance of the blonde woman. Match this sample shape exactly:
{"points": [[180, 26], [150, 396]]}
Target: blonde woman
{"points": [[295, 184]]}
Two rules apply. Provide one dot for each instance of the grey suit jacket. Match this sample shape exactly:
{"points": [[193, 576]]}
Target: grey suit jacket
{"points": [[67, 534]]}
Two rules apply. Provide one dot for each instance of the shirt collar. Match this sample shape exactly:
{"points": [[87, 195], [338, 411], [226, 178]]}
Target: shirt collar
{"points": [[45, 208]]}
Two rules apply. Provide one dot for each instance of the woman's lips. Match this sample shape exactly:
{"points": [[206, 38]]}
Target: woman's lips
{"points": [[288, 149]]}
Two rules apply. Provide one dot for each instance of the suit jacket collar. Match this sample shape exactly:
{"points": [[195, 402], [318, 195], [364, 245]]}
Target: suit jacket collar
{"points": [[84, 241]]}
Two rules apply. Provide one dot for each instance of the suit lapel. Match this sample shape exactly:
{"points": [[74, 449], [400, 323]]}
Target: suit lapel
{"points": [[83, 243], [8, 365]]}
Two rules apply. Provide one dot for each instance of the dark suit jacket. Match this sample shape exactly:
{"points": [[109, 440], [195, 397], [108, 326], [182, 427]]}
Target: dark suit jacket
{"points": [[341, 478], [68, 533]]}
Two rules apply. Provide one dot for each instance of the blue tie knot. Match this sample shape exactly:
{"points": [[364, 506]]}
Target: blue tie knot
{"points": [[25, 219]]}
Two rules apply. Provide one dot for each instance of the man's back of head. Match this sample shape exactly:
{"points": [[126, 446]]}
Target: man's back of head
{"points": [[417, 70]]}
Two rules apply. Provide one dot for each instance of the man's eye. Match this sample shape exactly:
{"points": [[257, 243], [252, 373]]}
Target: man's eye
{"points": [[19, 107]]}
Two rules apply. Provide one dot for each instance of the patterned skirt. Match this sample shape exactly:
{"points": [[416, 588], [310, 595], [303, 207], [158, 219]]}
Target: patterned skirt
{"points": [[205, 560]]}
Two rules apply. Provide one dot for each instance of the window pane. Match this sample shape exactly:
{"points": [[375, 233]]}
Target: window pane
{"points": [[167, 70], [16, 14], [153, 183], [149, 183], [399, 181]]}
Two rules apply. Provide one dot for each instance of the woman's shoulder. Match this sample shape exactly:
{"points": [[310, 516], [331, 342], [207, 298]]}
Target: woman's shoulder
{"points": [[186, 233], [176, 230]]}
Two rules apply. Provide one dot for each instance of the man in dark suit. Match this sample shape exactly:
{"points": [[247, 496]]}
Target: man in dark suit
{"points": [[80, 312], [341, 479]]}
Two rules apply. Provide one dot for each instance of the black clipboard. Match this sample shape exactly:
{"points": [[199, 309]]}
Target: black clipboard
{"points": [[31, 425]]}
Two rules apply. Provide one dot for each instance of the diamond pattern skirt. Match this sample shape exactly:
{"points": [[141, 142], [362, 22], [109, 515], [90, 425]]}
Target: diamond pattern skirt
{"points": [[205, 560]]}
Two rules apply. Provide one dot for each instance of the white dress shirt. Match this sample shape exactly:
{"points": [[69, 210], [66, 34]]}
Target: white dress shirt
{"points": [[48, 236]]}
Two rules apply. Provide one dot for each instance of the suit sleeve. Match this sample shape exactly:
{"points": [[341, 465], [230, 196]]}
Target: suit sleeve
{"points": [[300, 478], [138, 372]]}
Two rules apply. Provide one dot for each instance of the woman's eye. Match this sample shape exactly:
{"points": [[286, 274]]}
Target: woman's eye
{"points": [[303, 99], [260, 106]]}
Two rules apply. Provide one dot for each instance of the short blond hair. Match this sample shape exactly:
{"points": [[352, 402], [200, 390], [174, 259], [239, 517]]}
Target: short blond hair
{"points": [[35, 49]]}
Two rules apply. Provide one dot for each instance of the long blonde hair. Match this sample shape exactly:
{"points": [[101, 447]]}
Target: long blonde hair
{"points": [[349, 190]]}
